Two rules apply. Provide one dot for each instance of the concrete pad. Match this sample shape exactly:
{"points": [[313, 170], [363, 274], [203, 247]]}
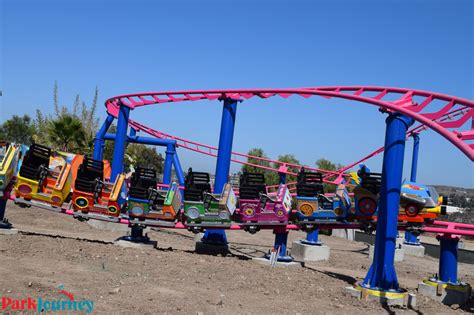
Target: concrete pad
{"points": [[348, 234], [303, 252], [399, 254], [129, 244], [408, 299], [448, 295], [353, 292], [211, 249], [399, 241], [108, 226], [198, 237], [414, 250], [266, 261], [11, 231]]}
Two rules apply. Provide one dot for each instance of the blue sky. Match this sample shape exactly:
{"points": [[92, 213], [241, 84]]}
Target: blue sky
{"points": [[136, 45]]}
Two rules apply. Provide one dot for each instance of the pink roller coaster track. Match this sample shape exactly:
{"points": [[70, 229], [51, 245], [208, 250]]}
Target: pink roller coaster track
{"points": [[440, 227], [455, 113]]}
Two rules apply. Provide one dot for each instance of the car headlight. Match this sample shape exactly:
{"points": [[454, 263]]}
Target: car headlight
{"points": [[249, 212], [112, 209], [192, 213], [81, 202], [306, 209], [24, 189], [224, 215], [137, 210], [56, 199]]}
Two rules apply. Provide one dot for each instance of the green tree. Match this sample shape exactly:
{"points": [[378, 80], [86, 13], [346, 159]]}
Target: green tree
{"points": [[89, 120], [67, 133], [252, 169], [136, 154], [290, 158], [109, 145], [18, 129], [327, 165], [144, 156], [271, 177], [41, 128], [86, 115]]}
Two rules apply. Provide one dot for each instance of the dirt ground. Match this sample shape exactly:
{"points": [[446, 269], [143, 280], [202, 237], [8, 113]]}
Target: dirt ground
{"points": [[54, 249]]}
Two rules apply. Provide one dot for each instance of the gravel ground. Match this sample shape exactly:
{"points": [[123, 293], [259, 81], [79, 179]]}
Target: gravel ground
{"points": [[53, 249]]}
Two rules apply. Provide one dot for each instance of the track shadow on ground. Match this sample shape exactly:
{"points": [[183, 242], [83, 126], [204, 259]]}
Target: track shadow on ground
{"points": [[348, 279], [387, 308], [254, 253], [172, 233], [30, 233], [192, 237], [362, 251]]}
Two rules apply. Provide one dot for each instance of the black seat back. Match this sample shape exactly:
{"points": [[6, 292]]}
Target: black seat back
{"points": [[35, 159], [370, 181], [89, 173], [309, 184], [142, 180], [251, 185], [195, 185]]}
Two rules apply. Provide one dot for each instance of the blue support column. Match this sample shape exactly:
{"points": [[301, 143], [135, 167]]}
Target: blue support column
{"points": [[281, 234], [133, 133], [312, 237], [223, 163], [170, 152], [99, 142], [4, 224], [142, 140], [281, 239], [410, 238], [414, 159], [178, 169], [382, 275], [120, 139], [445, 286], [282, 178], [448, 259]]}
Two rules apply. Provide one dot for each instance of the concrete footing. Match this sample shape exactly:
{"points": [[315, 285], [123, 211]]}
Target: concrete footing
{"points": [[344, 233], [266, 261], [198, 237], [414, 250], [399, 253], [303, 252], [125, 243], [11, 231], [403, 299], [446, 293], [399, 241]]}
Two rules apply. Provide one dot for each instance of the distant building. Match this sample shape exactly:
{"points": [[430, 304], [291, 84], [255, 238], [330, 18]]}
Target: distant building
{"points": [[453, 209]]}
